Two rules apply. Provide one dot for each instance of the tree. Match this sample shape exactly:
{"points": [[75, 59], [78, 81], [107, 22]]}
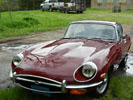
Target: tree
{"points": [[0, 7], [9, 10], [30, 4]]}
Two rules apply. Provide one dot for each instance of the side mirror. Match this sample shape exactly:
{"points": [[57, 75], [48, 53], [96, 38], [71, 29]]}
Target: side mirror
{"points": [[124, 35]]}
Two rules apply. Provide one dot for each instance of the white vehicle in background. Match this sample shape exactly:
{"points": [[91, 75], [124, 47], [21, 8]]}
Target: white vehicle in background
{"points": [[74, 5], [51, 5]]}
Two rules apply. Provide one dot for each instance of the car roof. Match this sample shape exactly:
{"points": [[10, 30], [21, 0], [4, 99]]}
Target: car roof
{"points": [[95, 22]]}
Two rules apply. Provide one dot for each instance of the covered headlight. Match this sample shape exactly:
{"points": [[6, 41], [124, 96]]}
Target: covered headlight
{"points": [[89, 69], [18, 59]]}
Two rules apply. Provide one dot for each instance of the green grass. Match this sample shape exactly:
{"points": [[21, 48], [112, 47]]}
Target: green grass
{"points": [[120, 89], [54, 20]]}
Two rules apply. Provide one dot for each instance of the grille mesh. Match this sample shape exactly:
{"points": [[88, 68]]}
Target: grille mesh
{"points": [[30, 80]]}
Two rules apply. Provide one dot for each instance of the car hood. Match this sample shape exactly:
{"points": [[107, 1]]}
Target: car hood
{"points": [[59, 59]]}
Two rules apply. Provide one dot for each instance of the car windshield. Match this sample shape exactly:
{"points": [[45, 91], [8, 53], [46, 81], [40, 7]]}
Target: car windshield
{"points": [[91, 31], [50, 1]]}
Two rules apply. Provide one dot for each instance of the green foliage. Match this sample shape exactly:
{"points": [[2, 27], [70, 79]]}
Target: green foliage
{"points": [[1, 4], [30, 4], [13, 5], [1, 1], [31, 21], [122, 88], [27, 22], [17, 24], [2, 29]]}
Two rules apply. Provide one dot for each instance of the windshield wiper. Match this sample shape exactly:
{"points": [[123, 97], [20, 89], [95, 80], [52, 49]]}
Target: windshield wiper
{"points": [[81, 37], [69, 38], [101, 39], [109, 39], [75, 37], [97, 39]]}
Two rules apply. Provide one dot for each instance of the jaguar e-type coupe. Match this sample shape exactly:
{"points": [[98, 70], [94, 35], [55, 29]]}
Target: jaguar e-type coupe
{"points": [[80, 62]]}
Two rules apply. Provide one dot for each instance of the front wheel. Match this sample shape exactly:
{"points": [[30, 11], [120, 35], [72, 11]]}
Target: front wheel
{"points": [[60, 10], [66, 11], [123, 62], [81, 12], [104, 86], [78, 12], [50, 9], [42, 9]]}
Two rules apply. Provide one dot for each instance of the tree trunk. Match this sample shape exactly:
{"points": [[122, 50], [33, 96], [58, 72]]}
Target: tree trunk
{"points": [[0, 13], [9, 10], [33, 4]]}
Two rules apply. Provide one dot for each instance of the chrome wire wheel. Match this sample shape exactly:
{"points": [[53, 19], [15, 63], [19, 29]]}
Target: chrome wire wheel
{"points": [[103, 87]]}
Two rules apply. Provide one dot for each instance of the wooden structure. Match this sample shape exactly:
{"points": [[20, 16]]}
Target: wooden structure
{"points": [[109, 4]]}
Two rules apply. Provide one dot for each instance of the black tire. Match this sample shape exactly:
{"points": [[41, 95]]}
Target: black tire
{"points": [[101, 90], [81, 12], [78, 12], [42, 9], [66, 11], [50, 9], [123, 62], [60, 10]]}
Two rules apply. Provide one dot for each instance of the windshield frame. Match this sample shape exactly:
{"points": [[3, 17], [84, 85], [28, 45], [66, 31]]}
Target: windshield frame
{"points": [[113, 40]]}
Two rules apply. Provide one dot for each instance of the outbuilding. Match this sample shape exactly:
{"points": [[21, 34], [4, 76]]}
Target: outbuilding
{"points": [[109, 4]]}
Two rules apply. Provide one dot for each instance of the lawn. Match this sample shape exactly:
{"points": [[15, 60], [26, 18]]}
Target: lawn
{"points": [[29, 22], [121, 88]]}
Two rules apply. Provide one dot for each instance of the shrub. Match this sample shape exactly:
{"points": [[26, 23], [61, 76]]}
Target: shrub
{"points": [[31, 21], [2, 28], [17, 24]]}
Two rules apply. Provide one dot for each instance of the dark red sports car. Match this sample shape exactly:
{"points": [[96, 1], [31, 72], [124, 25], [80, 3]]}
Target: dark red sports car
{"points": [[81, 61]]}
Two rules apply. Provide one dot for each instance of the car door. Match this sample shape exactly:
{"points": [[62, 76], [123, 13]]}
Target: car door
{"points": [[123, 43], [46, 5]]}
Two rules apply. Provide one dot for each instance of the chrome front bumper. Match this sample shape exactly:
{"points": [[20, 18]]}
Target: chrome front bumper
{"points": [[53, 83]]}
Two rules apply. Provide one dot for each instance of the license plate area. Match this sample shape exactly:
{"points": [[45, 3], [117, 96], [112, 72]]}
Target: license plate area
{"points": [[45, 89]]}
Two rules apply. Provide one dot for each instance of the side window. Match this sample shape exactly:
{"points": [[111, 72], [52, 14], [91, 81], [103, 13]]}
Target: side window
{"points": [[120, 30], [46, 2]]}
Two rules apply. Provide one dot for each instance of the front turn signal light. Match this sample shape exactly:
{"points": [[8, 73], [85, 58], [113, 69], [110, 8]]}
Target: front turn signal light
{"points": [[103, 76], [77, 91]]}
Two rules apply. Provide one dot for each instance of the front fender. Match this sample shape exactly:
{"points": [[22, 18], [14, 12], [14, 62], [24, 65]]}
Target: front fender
{"points": [[104, 59]]}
